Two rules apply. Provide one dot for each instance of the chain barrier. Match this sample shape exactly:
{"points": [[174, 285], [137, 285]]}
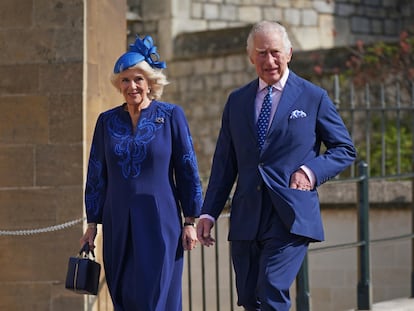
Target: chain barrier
{"points": [[42, 230]]}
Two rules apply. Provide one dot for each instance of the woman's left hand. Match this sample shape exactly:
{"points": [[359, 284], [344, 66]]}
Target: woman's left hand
{"points": [[189, 237]]}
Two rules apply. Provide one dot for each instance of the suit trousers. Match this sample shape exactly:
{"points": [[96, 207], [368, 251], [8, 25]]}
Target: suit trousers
{"points": [[266, 267]]}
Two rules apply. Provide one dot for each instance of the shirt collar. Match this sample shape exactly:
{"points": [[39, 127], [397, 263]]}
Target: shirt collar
{"points": [[279, 85]]}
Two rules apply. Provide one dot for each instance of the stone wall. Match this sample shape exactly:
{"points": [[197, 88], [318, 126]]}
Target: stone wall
{"points": [[313, 24], [53, 82], [40, 148]]}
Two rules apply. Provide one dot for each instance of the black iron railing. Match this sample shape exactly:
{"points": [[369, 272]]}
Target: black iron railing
{"points": [[364, 286]]}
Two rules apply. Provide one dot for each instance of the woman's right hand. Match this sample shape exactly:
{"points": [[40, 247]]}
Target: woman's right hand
{"points": [[89, 237]]}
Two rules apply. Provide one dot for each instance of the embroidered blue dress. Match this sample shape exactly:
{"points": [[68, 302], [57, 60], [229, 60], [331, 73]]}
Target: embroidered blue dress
{"points": [[139, 185]]}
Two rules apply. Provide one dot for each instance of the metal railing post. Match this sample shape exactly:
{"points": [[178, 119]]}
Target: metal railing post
{"points": [[203, 280], [364, 292], [216, 250], [412, 231], [302, 287], [412, 195], [190, 283]]}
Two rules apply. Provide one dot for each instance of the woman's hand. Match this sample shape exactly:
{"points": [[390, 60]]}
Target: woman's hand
{"points": [[189, 237], [89, 236]]}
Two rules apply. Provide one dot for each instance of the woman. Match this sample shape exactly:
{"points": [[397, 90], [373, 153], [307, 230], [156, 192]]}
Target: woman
{"points": [[142, 179]]}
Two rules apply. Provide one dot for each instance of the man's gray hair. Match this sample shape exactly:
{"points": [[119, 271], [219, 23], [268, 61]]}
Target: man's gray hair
{"points": [[268, 26]]}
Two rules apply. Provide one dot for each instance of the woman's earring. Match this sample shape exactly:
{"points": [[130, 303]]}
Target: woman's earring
{"points": [[148, 91]]}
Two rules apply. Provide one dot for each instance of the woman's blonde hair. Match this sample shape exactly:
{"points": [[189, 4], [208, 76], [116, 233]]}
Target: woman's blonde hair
{"points": [[155, 77]]}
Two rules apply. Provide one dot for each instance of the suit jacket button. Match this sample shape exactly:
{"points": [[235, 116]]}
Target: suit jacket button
{"points": [[259, 188]]}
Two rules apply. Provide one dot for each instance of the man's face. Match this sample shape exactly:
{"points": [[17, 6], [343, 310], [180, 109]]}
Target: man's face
{"points": [[269, 56]]}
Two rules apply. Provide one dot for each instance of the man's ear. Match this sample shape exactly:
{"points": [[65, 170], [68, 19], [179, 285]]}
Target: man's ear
{"points": [[251, 60], [290, 55]]}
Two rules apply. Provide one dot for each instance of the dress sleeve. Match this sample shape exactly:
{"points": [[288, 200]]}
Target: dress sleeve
{"points": [[189, 190], [96, 181]]}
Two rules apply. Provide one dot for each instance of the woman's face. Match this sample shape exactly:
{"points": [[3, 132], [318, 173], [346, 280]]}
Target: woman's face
{"points": [[134, 87]]}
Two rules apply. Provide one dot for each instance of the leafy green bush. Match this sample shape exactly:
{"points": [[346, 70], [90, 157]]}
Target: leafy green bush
{"points": [[382, 62], [390, 153]]}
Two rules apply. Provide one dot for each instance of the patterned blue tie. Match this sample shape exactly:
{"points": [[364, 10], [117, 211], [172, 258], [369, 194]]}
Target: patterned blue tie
{"points": [[264, 117]]}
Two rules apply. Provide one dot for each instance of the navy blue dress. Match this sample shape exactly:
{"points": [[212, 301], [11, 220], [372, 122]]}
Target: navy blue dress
{"points": [[139, 186]]}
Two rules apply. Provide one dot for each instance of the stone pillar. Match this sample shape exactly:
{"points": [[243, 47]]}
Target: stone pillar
{"points": [[55, 60]]}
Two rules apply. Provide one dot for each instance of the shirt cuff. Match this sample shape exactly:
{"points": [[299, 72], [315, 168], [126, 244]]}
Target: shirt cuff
{"points": [[310, 175], [208, 217]]}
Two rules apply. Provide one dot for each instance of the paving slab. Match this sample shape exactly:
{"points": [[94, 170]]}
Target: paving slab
{"points": [[400, 304]]}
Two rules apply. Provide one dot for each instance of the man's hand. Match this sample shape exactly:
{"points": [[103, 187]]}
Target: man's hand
{"points": [[204, 232], [299, 180]]}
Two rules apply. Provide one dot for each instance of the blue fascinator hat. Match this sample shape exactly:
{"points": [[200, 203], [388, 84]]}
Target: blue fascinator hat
{"points": [[142, 50]]}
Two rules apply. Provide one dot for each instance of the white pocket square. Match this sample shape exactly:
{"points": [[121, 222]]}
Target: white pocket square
{"points": [[296, 114]]}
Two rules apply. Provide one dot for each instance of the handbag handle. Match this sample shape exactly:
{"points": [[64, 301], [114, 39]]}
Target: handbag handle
{"points": [[86, 250]]}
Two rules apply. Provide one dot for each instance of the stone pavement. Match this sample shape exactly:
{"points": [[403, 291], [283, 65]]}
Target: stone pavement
{"points": [[400, 304]]}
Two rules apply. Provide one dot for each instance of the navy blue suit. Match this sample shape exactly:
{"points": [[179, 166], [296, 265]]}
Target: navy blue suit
{"points": [[304, 119]]}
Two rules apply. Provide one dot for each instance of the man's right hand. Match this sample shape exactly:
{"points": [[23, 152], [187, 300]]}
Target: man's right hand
{"points": [[204, 226]]}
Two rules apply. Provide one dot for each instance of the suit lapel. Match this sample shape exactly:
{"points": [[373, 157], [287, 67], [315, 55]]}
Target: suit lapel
{"points": [[248, 111], [290, 93], [289, 96]]}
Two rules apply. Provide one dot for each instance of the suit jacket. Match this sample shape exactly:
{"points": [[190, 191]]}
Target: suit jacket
{"points": [[305, 118]]}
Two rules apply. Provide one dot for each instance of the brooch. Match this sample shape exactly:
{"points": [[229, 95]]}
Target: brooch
{"points": [[159, 120]]}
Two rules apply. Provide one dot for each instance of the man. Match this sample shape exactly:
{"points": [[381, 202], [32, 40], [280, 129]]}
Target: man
{"points": [[275, 210]]}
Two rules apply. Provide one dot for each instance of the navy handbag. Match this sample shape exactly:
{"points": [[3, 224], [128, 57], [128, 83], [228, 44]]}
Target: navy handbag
{"points": [[83, 272]]}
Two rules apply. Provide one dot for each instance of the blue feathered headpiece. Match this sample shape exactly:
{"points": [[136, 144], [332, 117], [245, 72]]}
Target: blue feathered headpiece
{"points": [[141, 50]]}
